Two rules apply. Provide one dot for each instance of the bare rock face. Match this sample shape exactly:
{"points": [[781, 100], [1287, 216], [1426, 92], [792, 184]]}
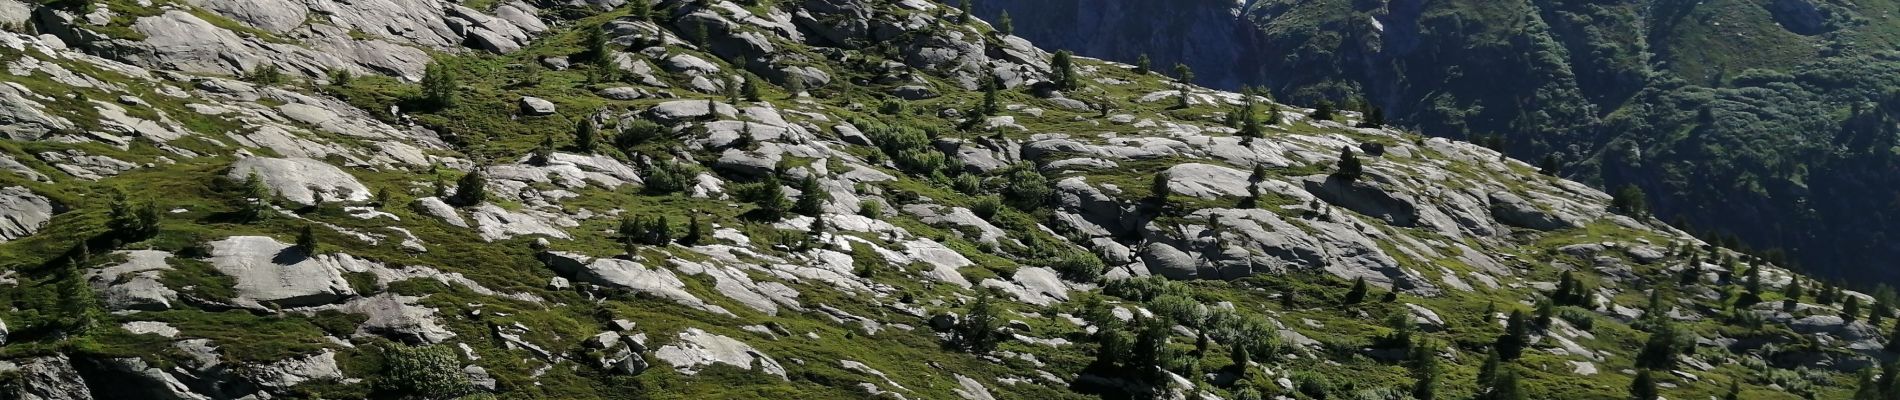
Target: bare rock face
{"points": [[43, 378], [272, 273], [22, 213], [135, 284], [399, 317], [302, 180], [697, 349]]}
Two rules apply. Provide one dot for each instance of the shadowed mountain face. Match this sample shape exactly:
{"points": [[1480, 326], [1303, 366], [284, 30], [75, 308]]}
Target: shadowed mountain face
{"points": [[822, 199], [1765, 121]]}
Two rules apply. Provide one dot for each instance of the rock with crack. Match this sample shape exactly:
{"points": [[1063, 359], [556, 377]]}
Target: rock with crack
{"points": [[398, 317], [22, 212], [273, 274], [301, 180], [286, 373], [22, 118], [43, 378], [135, 284], [1512, 210], [766, 297], [695, 349], [1207, 181], [628, 275], [536, 106], [1033, 285], [959, 218], [496, 223]]}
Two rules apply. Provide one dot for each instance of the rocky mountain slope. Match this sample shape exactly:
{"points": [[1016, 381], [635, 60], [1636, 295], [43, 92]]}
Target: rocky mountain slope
{"points": [[223, 199], [1779, 109]]}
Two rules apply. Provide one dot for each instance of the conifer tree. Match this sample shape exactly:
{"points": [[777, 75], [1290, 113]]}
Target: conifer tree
{"points": [[1063, 73], [1516, 334], [307, 241], [1424, 368], [438, 86], [978, 330], [1644, 387], [586, 135], [1143, 64], [1350, 168], [472, 189], [811, 197], [1005, 25], [1323, 111], [1357, 294]]}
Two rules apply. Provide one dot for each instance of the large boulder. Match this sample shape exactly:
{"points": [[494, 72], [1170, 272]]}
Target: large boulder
{"points": [[630, 276], [135, 284], [1365, 198], [301, 180], [273, 274], [1207, 181], [43, 378], [1512, 210], [697, 349], [22, 213], [398, 317], [22, 118]]}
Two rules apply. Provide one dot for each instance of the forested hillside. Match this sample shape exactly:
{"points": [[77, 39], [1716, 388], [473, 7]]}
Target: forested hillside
{"points": [[1770, 122], [817, 199]]}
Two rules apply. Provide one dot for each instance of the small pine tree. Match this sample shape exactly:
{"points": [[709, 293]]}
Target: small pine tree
{"points": [[1506, 387], [472, 189], [1158, 188], [1644, 387], [1323, 111], [1510, 345], [1488, 370], [1183, 74], [1734, 390], [1143, 65], [1629, 201], [794, 86], [1357, 294], [750, 89], [256, 198], [1350, 169], [811, 197], [438, 86], [1004, 25], [1549, 166], [978, 330], [586, 135], [596, 43], [307, 241], [1424, 368], [1063, 71], [1851, 310]]}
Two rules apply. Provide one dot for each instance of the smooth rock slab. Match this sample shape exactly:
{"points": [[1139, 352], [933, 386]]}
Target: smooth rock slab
{"points": [[270, 272], [301, 180], [135, 284], [22, 213], [697, 349]]}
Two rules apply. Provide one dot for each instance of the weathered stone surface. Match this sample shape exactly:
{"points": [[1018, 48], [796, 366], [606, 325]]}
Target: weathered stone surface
{"points": [[291, 372], [22, 118], [398, 317], [496, 223], [272, 273], [536, 106], [628, 275], [44, 378], [696, 349], [301, 180], [135, 284], [22, 212], [1515, 211]]}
